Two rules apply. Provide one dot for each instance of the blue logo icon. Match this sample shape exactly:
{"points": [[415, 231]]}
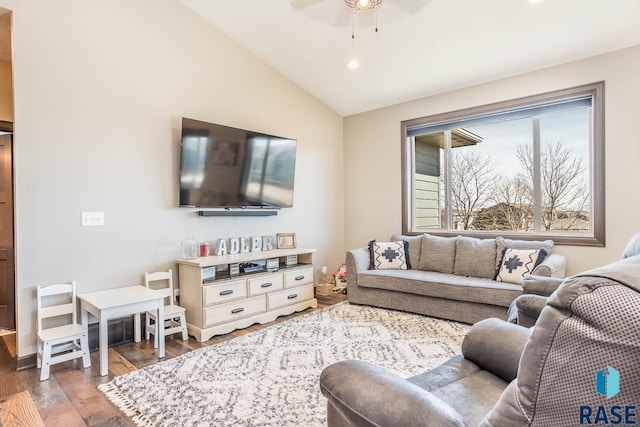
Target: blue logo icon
{"points": [[608, 382]]}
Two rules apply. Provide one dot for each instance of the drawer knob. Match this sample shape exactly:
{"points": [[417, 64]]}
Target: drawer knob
{"points": [[292, 296], [299, 277], [226, 292], [266, 285], [237, 310]]}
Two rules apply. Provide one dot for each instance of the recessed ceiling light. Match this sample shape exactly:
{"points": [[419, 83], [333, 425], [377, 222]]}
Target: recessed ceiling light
{"points": [[353, 64]]}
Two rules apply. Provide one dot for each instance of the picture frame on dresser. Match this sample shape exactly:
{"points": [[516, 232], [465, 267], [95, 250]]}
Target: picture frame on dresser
{"points": [[286, 240]]}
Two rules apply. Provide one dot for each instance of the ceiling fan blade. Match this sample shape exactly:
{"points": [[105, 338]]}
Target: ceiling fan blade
{"points": [[411, 6], [303, 4], [343, 17]]}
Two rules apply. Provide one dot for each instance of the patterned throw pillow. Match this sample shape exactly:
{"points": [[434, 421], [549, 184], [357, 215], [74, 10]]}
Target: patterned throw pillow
{"points": [[389, 255], [502, 243], [518, 262]]}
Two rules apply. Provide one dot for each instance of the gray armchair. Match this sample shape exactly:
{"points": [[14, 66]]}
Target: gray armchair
{"points": [[456, 393], [508, 375], [536, 289], [526, 309]]}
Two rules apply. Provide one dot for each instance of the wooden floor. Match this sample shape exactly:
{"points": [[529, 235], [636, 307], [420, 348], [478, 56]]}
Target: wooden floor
{"points": [[71, 398]]}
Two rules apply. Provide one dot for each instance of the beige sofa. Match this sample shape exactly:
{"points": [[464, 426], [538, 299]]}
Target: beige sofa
{"points": [[451, 278]]}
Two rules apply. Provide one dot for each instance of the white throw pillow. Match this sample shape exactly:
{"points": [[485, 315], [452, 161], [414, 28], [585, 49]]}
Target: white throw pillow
{"points": [[518, 262], [389, 255]]}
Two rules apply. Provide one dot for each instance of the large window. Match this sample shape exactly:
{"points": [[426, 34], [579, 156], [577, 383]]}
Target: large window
{"points": [[531, 167]]}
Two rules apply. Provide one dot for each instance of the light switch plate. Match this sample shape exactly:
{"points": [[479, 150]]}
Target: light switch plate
{"points": [[90, 219]]}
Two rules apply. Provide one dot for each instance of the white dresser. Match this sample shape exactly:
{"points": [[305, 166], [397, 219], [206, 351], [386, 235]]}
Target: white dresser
{"points": [[216, 306]]}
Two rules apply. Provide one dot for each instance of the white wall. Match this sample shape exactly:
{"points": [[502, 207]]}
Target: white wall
{"points": [[372, 149], [100, 89]]}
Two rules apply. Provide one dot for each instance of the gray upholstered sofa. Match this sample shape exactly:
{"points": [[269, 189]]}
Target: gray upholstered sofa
{"points": [[450, 278], [508, 375]]}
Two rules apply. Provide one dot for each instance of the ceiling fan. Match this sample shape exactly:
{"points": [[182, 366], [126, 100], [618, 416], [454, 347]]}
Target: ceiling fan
{"points": [[342, 12]]}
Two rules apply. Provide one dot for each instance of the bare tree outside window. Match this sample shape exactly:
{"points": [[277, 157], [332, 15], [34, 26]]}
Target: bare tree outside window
{"points": [[482, 199], [472, 186], [564, 190], [513, 206]]}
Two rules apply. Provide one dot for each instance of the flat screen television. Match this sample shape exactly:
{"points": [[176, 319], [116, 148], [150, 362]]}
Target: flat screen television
{"points": [[226, 167]]}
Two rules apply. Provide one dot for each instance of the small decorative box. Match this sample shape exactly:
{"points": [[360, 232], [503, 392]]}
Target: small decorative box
{"points": [[234, 269], [208, 274], [273, 264], [324, 289], [292, 259]]}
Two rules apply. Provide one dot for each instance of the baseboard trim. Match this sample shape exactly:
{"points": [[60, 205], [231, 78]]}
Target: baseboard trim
{"points": [[26, 362]]}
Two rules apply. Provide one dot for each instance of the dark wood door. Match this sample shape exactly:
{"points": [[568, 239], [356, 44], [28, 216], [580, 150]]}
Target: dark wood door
{"points": [[7, 274]]}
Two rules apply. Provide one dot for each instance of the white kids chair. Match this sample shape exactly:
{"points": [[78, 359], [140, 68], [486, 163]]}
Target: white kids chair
{"points": [[60, 343], [174, 318]]}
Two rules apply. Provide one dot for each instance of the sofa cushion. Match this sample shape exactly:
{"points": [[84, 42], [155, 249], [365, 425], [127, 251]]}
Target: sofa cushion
{"points": [[449, 372], [389, 255], [502, 243], [415, 245], [438, 254], [474, 396], [441, 285], [470, 390], [518, 262], [475, 257]]}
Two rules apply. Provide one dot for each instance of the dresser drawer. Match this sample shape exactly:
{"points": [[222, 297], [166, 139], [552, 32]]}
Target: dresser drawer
{"points": [[262, 285], [298, 277], [234, 310], [289, 297], [224, 292]]}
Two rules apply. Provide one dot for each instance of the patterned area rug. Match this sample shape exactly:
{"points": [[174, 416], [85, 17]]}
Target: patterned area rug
{"points": [[270, 377]]}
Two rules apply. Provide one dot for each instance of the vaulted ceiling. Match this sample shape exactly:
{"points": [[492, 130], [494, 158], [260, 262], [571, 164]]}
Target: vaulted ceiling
{"points": [[422, 47]]}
